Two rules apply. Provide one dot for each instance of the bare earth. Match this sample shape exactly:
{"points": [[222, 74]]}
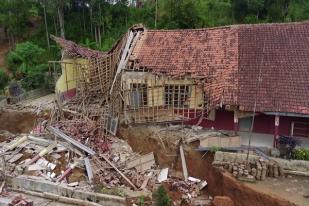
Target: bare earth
{"points": [[292, 188]]}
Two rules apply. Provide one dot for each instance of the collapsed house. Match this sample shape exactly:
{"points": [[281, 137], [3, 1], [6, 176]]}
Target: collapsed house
{"points": [[216, 77]]}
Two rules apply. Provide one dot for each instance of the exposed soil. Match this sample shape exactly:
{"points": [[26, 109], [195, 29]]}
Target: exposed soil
{"points": [[199, 166], [17, 122], [293, 187]]}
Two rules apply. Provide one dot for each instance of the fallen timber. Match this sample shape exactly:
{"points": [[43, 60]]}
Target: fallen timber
{"points": [[59, 133]]}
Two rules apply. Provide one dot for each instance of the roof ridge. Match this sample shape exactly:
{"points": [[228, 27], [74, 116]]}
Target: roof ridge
{"points": [[231, 26]]}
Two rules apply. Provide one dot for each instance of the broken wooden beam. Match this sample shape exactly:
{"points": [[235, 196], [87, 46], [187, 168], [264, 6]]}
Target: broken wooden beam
{"points": [[59, 133], [42, 153], [122, 175], [183, 163], [16, 143], [67, 172]]}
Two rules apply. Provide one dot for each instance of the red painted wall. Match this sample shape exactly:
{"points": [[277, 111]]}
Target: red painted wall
{"points": [[263, 123]]}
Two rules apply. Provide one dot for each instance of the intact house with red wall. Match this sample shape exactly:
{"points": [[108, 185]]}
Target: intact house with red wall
{"points": [[214, 77], [241, 69]]}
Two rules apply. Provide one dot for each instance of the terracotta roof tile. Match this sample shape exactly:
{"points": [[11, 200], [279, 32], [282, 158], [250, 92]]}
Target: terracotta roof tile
{"points": [[229, 58], [73, 49]]}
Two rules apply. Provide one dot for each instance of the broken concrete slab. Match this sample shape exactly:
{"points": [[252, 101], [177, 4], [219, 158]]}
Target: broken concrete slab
{"points": [[216, 141], [142, 163]]}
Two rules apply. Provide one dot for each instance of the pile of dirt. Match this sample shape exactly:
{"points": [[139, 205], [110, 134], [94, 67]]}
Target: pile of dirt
{"points": [[17, 122], [220, 183]]}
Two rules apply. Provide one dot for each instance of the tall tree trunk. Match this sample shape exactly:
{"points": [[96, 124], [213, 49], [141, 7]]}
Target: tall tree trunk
{"points": [[95, 34], [84, 22], [91, 27], [61, 21], [103, 29], [100, 24], [55, 25], [99, 35], [46, 29], [156, 15]]}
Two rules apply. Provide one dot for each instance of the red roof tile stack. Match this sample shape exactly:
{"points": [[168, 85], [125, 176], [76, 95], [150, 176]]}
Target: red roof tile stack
{"points": [[230, 58]]}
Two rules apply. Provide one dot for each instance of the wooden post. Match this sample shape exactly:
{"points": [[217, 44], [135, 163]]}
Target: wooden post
{"points": [[236, 126], [276, 135]]}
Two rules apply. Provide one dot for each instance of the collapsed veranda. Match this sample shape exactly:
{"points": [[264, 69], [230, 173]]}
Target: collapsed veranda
{"points": [[216, 78]]}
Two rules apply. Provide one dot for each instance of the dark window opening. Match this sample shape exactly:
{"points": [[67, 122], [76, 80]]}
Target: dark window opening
{"points": [[138, 95], [300, 129], [177, 95]]}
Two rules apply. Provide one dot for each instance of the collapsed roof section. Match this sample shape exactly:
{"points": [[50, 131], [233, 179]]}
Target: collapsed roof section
{"points": [[232, 59], [70, 48]]}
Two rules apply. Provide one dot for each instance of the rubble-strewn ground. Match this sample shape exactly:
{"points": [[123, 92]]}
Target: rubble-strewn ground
{"points": [[144, 139], [37, 201], [164, 142]]}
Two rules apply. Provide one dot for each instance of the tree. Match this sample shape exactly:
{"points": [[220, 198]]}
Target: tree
{"points": [[28, 64], [14, 17]]}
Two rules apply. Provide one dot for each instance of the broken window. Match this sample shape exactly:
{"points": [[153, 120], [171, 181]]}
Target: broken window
{"points": [[138, 95], [177, 95]]}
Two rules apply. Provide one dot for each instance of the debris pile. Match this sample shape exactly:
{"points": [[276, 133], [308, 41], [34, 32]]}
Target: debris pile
{"points": [[189, 189], [20, 200]]}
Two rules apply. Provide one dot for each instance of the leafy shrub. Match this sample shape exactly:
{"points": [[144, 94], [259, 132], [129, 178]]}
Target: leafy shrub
{"points": [[301, 154], [25, 56], [27, 62], [161, 198]]}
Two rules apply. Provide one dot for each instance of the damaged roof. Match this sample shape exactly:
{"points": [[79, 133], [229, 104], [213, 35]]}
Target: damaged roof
{"points": [[72, 49], [232, 58]]}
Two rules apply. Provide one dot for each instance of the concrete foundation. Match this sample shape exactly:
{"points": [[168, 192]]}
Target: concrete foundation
{"points": [[30, 184]]}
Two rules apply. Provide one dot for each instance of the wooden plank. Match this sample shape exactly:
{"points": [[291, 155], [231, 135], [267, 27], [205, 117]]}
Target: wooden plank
{"points": [[59, 133]]}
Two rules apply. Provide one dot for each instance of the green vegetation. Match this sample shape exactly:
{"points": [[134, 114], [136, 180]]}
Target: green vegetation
{"points": [[98, 24], [28, 63], [301, 154], [161, 198], [4, 79]]}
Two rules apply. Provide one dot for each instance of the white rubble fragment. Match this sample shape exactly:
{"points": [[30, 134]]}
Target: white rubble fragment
{"points": [[73, 184], [202, 184], [193, 179], [163, 175], [35, 167], [51, 166]]}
